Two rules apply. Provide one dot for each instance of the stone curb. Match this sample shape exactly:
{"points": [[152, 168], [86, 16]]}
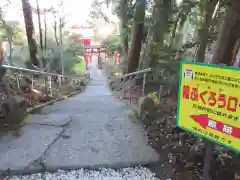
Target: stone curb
{"points": [[39, 106]]}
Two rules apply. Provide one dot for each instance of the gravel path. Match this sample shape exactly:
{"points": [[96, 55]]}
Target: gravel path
{"points": [[90, 130], [138, 173]]}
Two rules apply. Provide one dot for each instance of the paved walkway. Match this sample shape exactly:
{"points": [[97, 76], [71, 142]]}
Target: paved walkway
{"points": [[89, 130]]}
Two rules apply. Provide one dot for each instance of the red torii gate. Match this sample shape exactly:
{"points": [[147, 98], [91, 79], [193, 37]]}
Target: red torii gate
{"points": [[96, 49]]}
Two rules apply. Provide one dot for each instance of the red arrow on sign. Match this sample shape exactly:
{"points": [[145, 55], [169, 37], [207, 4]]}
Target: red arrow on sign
{"points": [[205, 122]]}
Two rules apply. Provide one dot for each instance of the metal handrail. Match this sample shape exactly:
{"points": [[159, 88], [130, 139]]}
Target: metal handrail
{"points": [[144, 72], [135, 73], [46, 74], [37, 72], [31, 71], [143, 77]]}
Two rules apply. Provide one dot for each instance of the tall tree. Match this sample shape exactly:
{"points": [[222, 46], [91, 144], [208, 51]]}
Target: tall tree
{"points": [[160, 22], [137, 36], [161, 14], [45, 30], [230, 33], [180, 19], [55, 26], [12, 33], [39, 26], [61, 23], [32, 44], [60, 30], [124, 26], [204, 31]]}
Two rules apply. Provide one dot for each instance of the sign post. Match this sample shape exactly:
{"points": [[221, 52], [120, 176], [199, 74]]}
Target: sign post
{"points": [[207, 159], [209, 105]]}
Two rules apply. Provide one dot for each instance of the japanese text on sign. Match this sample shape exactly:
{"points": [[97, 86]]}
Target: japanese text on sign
{"points": [[209, 103]]}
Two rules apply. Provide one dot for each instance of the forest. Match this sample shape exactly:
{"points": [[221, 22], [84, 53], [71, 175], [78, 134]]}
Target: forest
{"points": [[153, 34], [157, 34]]}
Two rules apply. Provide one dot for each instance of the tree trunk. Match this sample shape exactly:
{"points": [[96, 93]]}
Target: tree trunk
{"points": [[230, 32], [180, 21], [39, 26], [10, 51], [145, 60], [9, 37], [124, 27], [60, 30], [156, 32], [137, 36], [55, 28], [173, 34], [160, 18], [32, 44], [61, 42], [204, 31], [45, 30]]}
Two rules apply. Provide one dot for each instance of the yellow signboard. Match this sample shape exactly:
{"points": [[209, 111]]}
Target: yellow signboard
{"points": [[209, 102]]}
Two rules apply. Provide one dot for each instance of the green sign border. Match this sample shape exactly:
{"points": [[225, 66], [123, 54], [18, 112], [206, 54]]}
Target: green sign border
{"points": [[179, 97]]}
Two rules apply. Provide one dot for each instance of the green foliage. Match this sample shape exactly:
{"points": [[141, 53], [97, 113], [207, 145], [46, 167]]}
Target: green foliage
{"points": [[69, 62], [158, 53], [79, 66], [126, 32], [112, 43], [74, 48], [12, 31], [96, 10], [20, 55]]}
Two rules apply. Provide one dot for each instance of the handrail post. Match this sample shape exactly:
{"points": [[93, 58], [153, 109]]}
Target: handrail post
{"points": [[160, 93], [50, 85], [72, 82], [32, 81], [143, 85], [59, 82], [18, 83], [130, 90]]}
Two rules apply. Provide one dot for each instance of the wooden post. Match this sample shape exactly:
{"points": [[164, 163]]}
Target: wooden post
{"points": [[32, 81], [207, 159], [18, 83], [143, 85], [59, 82], [50, 85], [130, 90]]}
